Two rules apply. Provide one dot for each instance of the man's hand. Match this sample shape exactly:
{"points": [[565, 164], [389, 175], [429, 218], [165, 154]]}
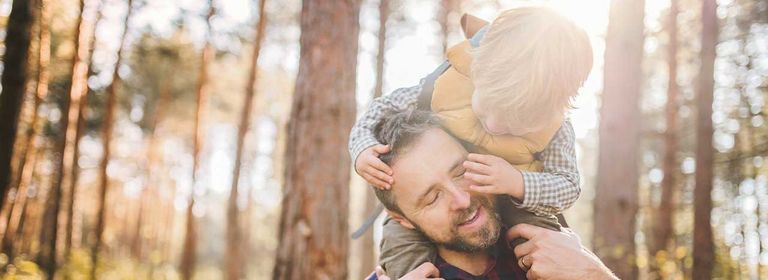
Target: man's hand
{"points": [[552, 254], [424, 271], [494, 175], [372, 169]]}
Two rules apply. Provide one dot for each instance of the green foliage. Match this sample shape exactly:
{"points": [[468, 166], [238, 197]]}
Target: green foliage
{"points": [[20, 269]]}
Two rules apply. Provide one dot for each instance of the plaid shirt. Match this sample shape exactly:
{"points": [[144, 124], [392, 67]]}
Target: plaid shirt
{"points": [[503, 266], [549, 192]]}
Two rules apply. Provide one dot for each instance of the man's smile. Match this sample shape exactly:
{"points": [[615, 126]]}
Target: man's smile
{"points": [[475, 219]]}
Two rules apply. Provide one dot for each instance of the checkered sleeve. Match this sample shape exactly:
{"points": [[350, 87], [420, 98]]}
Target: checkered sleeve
{"points": [[361, 137], [556, 188]]}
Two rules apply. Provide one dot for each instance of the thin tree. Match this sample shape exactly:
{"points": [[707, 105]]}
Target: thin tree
{"points": [[616, 196], [109, 120], [13, 82], [32, 140], [79, 127], [234, 230], [703, 244], [64, 149], [313, 240], [663, 228], [446, 9], [188, 257], [368, 259], [147, 198]]}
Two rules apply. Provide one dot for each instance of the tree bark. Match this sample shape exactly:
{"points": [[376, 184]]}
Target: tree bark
{"points": [[616, 197], [313, 231], [109, 120], [188, 257], [14, 81], [30, 153], [703, 244], [234, 230], [663, 229], [64, 147]]}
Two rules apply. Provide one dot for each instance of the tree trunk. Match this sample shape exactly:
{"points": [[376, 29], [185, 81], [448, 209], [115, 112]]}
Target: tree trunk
{"points": [[616, 198], [313, 231], [14, 80], [109, 120], [703, 245], [150, 189], [64, 147], [79, 126], [188, 257], [368, 259], [663, 227], [30, 153], [234, 252], [447, 7]]}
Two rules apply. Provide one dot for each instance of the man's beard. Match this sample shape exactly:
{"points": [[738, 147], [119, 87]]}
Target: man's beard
{"points": [[488, 234]]}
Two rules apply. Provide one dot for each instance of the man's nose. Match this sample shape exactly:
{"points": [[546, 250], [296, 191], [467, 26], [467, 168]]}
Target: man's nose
{"points": [[460, 197]]}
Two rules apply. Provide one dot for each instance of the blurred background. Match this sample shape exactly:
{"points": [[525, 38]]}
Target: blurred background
{"points": [[181, 139]]}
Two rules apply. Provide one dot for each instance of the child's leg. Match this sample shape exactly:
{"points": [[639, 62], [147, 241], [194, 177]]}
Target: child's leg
{"points": [[403, 249], [511, 216]]}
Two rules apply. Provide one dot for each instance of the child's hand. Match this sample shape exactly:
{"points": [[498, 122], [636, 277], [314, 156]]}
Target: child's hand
{"points": [[494, 175], [372, 169]]}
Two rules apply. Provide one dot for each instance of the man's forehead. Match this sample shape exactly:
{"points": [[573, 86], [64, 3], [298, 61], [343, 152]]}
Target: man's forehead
{"points": [[432, 155]]}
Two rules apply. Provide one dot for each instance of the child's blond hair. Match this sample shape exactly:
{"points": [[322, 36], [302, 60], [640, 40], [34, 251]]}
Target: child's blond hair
{"points": [[529, 66]]}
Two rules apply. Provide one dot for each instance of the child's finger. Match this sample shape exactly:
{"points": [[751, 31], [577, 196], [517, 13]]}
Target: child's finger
{"points": [[482, 179], [484, 159], [380, 175], [381, 149], [483, 189], [379, 184], [380, 165], [476, 167]]}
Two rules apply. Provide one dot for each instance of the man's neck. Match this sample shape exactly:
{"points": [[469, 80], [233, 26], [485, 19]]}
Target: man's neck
{"points": [[474, 263]]}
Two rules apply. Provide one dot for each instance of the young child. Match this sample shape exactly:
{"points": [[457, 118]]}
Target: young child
{"points": [[525, 68]]}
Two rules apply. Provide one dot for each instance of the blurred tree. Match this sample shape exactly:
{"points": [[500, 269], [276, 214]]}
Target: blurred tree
{"points": [[188, 257], [663, 230], [616, 198], [9, 246], [64, 148], [313, 240], [14, 80], [106, 139], [234, 253], [703, 244], [448, 18], [80, 127], [369, 260]]}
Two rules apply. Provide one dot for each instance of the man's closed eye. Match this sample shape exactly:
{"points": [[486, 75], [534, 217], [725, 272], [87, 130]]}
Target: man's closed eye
{"points": [[434, 198]]}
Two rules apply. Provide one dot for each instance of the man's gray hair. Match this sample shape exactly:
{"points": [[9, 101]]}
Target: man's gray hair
{"points": [[399, 129]]}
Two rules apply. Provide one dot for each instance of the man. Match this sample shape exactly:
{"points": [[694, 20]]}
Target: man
{"points": [[431, 195]]}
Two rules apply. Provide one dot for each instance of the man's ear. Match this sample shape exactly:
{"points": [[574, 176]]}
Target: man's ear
{"points": [[471, 24], [400, 219]]}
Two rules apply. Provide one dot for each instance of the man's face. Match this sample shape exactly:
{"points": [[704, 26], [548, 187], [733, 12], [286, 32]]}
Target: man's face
{"points": [[434, 196]]}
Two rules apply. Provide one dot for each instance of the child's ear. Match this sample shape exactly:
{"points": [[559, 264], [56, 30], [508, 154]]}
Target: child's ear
{"points": [[400, 219], [471, 24]]}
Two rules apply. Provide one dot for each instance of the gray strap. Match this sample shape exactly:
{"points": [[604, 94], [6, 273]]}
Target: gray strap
{"points": [[428, 85], [368, 222]]}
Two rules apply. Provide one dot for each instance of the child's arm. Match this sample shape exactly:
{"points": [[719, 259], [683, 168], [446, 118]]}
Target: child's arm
{"points": [[544, 193], [361, 137], [557, 187]]}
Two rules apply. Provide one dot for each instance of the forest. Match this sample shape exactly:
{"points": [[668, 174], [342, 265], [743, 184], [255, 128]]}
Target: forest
{"points": [[183, 139]]}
